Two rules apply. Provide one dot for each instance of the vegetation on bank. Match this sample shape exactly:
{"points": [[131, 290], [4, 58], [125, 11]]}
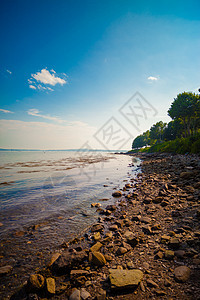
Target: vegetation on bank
{"points": [[181, 135]]}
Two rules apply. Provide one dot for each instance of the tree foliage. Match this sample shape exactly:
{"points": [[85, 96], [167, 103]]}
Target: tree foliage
{"points": [[185, 114], [186, 108]]}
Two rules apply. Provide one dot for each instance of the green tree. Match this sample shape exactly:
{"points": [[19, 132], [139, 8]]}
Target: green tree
{"points": [[141, 140], [186, 108], [156, 132], [173, 130]]}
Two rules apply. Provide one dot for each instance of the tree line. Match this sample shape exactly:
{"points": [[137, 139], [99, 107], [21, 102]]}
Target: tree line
{"points": [[185, 115]]}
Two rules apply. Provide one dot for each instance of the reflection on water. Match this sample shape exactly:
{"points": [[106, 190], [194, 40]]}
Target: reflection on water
{"points": [[46, 200], [57, 188]]}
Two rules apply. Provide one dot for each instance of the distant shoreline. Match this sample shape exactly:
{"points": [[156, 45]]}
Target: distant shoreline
{"points": [[72, 150]]}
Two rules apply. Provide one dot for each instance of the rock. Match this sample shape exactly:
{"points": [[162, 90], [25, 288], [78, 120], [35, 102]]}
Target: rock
{"points": [[5, 270], [98, 259], [158, 200], [75, 295], [147, 200], [165, 238], [117, 194], [95, 204], [147, 230], [111, 207], [160, 293], [174, 243], [131, 238], [128, 185], [125, 279], [156, 227], [101, 295], [169, 254], [35, 282], [97, 227], [84, 294], [108, 257], [136, 218], [164, 203], [130, 265], [113, 228], [53, 258], [180, 253], [51, 285], [77, 273], [186, 175], [121, 251], [182, 273], [97, 236], [159, 255], [167, 283], [96, 247], [67, 260], [151, 283], [146, 265], [142, 287]]}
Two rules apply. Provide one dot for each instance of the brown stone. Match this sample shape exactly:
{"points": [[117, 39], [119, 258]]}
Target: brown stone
{"points": [[117, 194], [182, 273]]}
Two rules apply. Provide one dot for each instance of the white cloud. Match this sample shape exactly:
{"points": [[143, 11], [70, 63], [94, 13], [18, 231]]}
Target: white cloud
{"points": [[40, 80], [6, 111], [42, 135], [32, 87], [152, 78], [36, 113], [9, 71], [47, 78]]}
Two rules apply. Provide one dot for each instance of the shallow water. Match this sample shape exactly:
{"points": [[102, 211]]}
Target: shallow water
{"points": [[45, 201], [57, 188]]}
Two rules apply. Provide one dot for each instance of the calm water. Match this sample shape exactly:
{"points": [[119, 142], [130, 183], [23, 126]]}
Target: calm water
{"points": [[58, 187]]}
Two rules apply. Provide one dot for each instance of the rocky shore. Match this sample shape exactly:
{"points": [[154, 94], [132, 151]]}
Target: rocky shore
{"points": [[144, 247]]}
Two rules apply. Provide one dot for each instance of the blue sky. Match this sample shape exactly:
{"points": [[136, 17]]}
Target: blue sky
{"points": [[67, 67]]}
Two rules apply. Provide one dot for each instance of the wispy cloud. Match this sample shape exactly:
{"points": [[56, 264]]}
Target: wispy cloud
{"points": [[152, 78], [9, 72], [36, 113], [6, 111], [42, 135], [40, 80]]}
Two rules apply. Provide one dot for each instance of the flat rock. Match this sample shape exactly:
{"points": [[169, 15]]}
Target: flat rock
{"points": [[84, 294], [125, 279], [67, 260], [75, 295], [97, 227], [169, 254], [96, 247], [182, 273], [5, 270]]}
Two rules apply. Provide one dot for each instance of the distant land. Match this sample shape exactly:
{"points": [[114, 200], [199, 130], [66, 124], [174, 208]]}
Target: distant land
{"points": [[82, 150]]}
